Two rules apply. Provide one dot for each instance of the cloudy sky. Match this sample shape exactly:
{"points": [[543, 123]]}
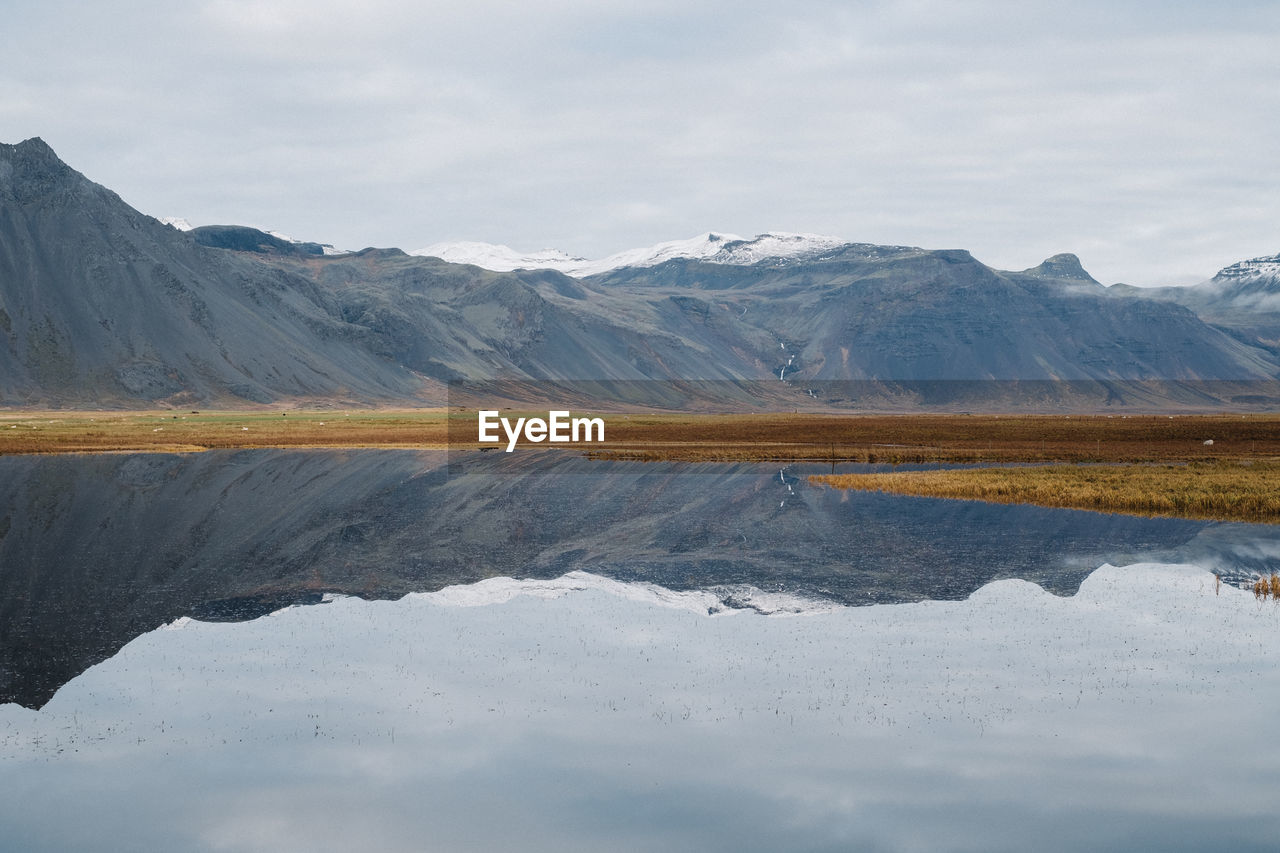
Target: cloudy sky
{"points": [[1143, 136]]}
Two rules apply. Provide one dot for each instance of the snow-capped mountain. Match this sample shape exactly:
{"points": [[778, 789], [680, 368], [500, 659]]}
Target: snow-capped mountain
{"points": [[177, 222], [1243, 298], [712, 247], [1251, 286], [1264, 267]]}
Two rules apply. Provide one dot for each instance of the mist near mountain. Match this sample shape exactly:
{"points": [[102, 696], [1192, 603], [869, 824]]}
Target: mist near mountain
{"points": [[1242, 300]]}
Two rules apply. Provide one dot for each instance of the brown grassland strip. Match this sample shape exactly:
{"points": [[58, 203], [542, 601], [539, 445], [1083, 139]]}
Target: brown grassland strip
{"points": [[898, 439], [695, 437], [170, 432], [1217, 490]]}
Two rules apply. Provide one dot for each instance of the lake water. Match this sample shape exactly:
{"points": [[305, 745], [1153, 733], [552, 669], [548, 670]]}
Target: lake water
{"points": [[271, 650]]}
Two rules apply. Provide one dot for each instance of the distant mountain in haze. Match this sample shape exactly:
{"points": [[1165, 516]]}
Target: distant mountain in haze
{"points": [[101, 305], [1242, 299]]}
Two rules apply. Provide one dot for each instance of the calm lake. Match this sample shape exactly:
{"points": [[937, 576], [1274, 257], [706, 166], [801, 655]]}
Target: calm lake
{"points": [[395, 650]]}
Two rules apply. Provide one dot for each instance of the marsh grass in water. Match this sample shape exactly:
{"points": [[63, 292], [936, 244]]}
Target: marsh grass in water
{"points": [[1222, 491], [1267, 587]]}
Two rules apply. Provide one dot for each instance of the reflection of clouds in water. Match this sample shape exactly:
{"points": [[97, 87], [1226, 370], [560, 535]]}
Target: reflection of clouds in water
{"points": [[1256, 549], [1237, 552], [587, 712]]}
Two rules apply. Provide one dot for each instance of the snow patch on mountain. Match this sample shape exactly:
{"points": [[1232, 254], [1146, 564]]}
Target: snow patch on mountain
{"points": [[1252, 285], [182, 224], [1268, 266], [778, 245], [711, 247], [325, 248], [499, 258]]}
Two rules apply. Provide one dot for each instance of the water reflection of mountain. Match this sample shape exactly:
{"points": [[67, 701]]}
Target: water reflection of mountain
{"points": [[96, 550]]}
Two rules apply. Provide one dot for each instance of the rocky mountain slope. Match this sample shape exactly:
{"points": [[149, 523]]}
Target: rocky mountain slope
{"points": [[102, 305]]}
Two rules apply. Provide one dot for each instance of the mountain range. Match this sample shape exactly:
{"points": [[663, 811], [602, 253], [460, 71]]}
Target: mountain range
{"points": [[103, 306]]}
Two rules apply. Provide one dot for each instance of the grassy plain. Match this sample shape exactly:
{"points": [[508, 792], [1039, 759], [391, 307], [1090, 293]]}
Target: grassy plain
{"points": [[898, 439], [1219, 490], [177, 432], [696, 437]]}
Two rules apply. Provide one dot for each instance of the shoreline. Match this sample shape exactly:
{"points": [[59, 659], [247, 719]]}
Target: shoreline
{"points": [[1219, 490], [1209, 467]]}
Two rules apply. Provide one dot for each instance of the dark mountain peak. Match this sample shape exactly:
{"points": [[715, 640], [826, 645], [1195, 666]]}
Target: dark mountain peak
{"points": [[34, 147], [31, 170], [27, 153], [1064, 265]]}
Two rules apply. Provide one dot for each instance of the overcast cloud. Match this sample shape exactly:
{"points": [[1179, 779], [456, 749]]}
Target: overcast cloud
{"points": [[1141, 136]]}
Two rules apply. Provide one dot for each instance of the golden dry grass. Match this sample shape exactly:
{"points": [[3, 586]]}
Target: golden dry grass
{"points": [[171, 432], [1219, 490]]}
